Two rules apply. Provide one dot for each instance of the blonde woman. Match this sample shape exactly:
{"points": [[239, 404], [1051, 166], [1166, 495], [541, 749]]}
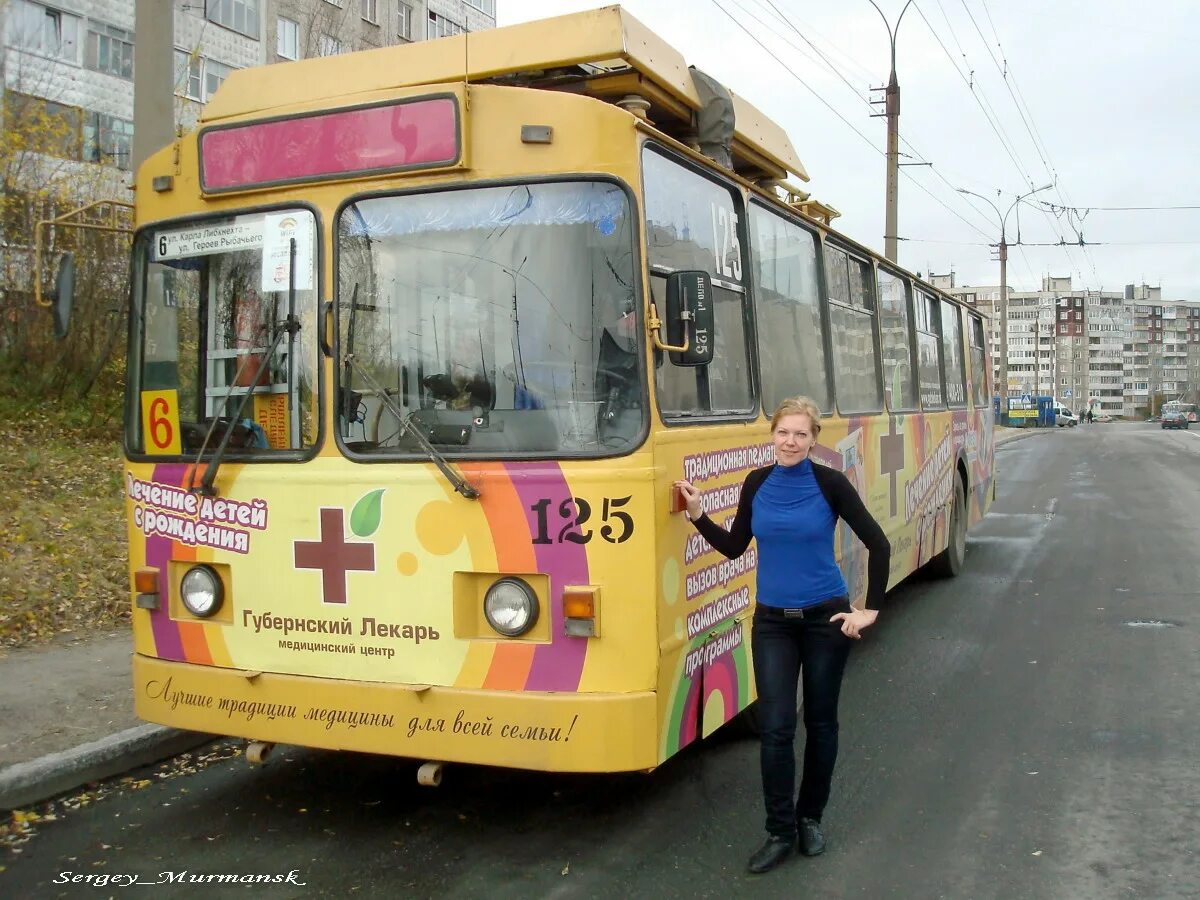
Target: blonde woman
{"points": [[803, 621]]}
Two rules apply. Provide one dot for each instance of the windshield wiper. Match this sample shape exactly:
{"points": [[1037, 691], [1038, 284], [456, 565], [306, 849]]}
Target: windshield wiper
{"points": [[291, 327], [461, 485]]}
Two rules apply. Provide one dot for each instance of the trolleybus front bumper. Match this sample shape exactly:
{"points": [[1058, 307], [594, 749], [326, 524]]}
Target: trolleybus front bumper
{"points": [[557, 732]]}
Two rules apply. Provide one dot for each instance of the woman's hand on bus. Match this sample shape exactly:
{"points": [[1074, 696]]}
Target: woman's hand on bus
{"points": [[691, 496], [855, 621]]}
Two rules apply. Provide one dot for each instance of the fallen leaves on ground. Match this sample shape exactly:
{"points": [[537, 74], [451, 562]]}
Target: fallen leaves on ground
{"points": [[63, 544], [21, 826]]}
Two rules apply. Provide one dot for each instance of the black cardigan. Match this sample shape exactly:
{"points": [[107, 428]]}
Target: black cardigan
{"points": [[842, 498]]}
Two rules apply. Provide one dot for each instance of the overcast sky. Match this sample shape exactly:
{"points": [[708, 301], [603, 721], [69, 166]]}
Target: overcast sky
{"points": [[1105, 87]]}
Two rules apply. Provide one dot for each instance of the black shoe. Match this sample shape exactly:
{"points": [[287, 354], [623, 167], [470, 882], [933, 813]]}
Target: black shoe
{"points": [[769, 855], [812, 841]]}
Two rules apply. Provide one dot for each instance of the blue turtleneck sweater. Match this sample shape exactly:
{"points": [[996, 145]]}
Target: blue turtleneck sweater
{"points": [[793, 525]]}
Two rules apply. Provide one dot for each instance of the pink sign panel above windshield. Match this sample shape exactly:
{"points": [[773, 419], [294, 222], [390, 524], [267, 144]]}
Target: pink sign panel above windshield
{"points": [[344, 143]]}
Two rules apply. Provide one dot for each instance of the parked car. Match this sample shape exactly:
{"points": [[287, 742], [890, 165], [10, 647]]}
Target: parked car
{"points": [[1064, 418], [1174, 419]]}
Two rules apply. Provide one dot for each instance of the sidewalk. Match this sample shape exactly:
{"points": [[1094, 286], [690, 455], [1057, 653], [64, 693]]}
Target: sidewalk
{"points": [[66, 718], [66, 711]]}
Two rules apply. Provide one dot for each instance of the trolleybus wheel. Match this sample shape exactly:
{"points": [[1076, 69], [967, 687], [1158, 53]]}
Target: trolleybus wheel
{"points": [[949, 562]]}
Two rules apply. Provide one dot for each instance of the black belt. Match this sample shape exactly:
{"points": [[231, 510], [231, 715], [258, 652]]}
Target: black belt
{"points": [[824, 608]]}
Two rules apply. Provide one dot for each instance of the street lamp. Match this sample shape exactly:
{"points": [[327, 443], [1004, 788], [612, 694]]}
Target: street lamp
{"points": [[892, 111], [1003, 324]]}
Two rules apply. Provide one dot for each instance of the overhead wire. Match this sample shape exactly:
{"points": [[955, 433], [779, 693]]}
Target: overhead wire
{"points": [[992, 117], [924, 158], [1030, 128], [843, 119]]}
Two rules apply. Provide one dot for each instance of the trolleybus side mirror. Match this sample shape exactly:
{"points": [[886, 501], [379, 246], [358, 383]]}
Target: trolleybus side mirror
{"points": [[63, 298], [690, 324]]}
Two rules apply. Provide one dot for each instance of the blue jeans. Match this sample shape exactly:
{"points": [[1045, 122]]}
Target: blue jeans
{"points": [[786, 649]]}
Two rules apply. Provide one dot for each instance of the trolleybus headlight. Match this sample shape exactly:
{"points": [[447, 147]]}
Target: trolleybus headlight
{"points": [[201, 591], [511, 607]]}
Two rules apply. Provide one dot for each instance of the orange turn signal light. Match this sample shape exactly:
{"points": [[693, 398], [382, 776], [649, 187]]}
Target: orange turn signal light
{"points": [[579, 603], [145, 581]]}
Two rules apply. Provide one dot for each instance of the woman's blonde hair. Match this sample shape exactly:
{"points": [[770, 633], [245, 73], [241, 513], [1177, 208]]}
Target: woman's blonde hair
{"points": [[798, 405]]}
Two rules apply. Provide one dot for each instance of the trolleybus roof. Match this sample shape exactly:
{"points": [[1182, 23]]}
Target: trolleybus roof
{"points": [[605, 53]]}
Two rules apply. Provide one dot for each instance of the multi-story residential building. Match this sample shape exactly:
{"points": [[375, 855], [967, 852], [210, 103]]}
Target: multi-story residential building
{"points": [[67, 86], [77, 56], [1062, 342], [1161, 351]]}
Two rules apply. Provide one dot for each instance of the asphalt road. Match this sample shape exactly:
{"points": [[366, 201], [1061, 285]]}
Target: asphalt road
{"points": [[1029, 729]]}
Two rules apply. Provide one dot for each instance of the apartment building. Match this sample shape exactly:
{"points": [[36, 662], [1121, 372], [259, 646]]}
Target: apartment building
{"points": [[74, 59], [1161, 351]]}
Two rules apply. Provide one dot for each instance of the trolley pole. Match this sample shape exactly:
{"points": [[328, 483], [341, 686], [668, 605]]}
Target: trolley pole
{"points": [[892, 111]]}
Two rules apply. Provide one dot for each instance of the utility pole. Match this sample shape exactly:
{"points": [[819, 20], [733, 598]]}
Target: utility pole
{"points": [[153, 79], [1003, 324], [892, 111]]}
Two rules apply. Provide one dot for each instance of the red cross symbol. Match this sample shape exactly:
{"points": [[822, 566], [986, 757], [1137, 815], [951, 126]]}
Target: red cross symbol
{"points": [[334, 557], [891, 456]]}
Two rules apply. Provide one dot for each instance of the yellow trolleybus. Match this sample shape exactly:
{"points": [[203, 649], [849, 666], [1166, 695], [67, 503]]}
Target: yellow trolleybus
{"points": [[420, 339]]}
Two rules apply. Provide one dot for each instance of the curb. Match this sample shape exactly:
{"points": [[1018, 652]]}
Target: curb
{"points": [[40, 779], [1021, 435]]}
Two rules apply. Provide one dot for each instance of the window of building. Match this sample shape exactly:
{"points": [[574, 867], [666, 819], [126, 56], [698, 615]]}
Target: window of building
{"points": [[109, 49], [1079, 329], [327, 45], [895, 342], [484, 6], [238, 15], [682, 239], [189, 75], [107, 140], [370, 11], [788, 306], [850, 288], [404, 21], [440, 26], [215, 74], [39, 29], [287, 39]]}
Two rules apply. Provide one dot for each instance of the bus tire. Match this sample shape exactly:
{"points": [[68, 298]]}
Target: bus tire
{"points": [[949, 562]]}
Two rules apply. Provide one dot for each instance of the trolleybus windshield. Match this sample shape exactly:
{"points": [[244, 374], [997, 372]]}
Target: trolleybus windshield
{"points": [[497, 321]]}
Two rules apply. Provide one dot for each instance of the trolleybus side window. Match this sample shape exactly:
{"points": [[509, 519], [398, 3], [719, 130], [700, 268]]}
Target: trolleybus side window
{"points": [[851, 294], [693, 223], [896, 341], [212, 327], [952, 353], [979, 367], [791, 333], [928, 352]]}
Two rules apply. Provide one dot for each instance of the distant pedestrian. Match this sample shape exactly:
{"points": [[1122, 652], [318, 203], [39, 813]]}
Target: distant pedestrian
{"points": [[1089, 417], [803, 622]]}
